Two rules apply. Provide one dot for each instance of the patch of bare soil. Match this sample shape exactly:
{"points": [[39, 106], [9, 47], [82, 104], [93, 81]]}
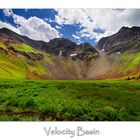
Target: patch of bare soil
{"points": [[100, 67]]}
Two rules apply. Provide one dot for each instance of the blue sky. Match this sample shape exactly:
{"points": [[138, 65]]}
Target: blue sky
{"points": [[78, 25], [48, 15]]}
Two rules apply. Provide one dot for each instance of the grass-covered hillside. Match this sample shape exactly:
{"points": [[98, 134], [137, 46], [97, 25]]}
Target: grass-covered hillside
{"points": [[21, 61], [128, 63], [69, 100]]}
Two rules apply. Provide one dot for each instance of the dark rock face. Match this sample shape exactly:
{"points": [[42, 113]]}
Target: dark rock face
{"points": [[126, 39], [86, 52], [3, 51], [56, 45], [67, 48], [27, 55]]}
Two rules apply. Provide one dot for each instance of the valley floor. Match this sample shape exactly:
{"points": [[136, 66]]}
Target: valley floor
{"points": [[110, 100]]}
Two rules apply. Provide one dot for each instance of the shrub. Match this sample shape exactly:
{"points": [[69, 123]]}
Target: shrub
{"points": [[109, 113], [123, 114]]}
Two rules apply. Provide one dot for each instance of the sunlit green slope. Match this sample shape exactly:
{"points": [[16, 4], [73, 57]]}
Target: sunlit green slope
{"points": [[16, 63]]}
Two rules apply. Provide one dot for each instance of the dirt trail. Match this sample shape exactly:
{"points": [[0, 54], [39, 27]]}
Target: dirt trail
{"points": [[99, 67]]}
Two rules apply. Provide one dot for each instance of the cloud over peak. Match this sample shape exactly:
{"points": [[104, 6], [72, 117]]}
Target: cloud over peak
{"points": [[32, 27], [89, 20]]}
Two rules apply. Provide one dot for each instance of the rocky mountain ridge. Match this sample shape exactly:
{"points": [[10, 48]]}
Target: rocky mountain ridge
{"points": [[125, 40]]}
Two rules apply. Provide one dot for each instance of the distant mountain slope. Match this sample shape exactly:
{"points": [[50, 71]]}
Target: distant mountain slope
{"points": [[22, 57], [57, 46], [66, 48], [16, 38], [125, 40]]}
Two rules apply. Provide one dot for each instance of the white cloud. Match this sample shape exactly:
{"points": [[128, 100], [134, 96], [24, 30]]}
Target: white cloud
{"points": [[58, 27], [109, 20], [79, 42], [89, 21], [26, 10], [36, 28], [75, 36], [9, 26], [32, 27], [8, 12]]}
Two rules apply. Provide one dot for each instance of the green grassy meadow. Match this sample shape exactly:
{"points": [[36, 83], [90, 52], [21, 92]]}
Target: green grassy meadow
{"points": [[67, 100], [127, 62]]}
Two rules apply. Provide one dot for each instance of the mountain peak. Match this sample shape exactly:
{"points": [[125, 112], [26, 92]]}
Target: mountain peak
{"points": [[126, 39], [6, 30], [133, 28], [3, 28], [124, 28]]}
